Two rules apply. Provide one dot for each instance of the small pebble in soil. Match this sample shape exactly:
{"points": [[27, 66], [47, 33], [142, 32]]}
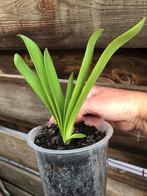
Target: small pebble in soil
{"points": [[50, 137]]}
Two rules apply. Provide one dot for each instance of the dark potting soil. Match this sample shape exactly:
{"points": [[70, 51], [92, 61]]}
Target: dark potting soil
{"points": [[50, 137]]}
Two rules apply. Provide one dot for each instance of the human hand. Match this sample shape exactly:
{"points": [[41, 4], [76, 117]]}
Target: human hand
{"points": [[122, 108]]}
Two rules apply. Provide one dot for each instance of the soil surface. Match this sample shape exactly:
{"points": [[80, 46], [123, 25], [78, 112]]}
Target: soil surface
{"points": [[50, 137]]}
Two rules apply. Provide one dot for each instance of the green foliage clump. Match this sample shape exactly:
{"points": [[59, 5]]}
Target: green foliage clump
{"points": [[45, 82]]}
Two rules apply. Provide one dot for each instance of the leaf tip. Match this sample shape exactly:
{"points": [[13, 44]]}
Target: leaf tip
{"points": [[45, 50], [16, 57], [101, 29], [20, 35], [144, 18], [142, 21], [72, 74]]}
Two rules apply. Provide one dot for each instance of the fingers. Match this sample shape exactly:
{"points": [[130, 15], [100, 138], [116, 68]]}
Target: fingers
{"points": [[79, 117], [90, 120], [83, 111], [51, 121], [93, 121], [92, 92]]}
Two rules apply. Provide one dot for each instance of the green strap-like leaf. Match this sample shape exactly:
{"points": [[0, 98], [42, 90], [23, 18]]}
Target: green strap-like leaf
{"points": [[69, 90], [31, 78], [77, 136], [38, 61], [82, 76], [36, 57], [54, 84], [106, 55]]}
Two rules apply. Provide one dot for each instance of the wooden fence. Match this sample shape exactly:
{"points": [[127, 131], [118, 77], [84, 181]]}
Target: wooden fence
{"points": [[20, 175], [69, 23], [21, 110], [64, 27]]}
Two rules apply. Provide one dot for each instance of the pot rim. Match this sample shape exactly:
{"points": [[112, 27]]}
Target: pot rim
{"points": [[32, 134]]}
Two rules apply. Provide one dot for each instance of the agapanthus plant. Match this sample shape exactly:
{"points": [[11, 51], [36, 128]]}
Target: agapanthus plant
{"points": [[46, 85]]}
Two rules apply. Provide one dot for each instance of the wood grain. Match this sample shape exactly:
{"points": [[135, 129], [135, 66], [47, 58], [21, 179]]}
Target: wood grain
{"points": [[13, 146], [68, 24], [127, 156], [30, 182], [15, 191], [9, 105], [20, 105], [127, 67], [21, 178], [116, 188], [136, 141], [126, 177]]}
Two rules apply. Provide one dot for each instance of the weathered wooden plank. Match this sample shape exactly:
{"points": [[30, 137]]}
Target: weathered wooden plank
{"points": [[128, 157], [64, 24], [29, 103], [116, 188], [127, 67], [19, 104], [13, 146], [21, 178], [31, 183], [128, 178], [13, 125], [15, 191], [136, 141]]}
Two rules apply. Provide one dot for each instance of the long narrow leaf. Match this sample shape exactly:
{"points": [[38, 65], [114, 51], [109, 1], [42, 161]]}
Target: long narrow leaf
{"points": [[53, 79], [76, 136], [54, 84], [82, 76], [69, 90], [106, 55], [38, 61], [36, 57], [32, 79]]}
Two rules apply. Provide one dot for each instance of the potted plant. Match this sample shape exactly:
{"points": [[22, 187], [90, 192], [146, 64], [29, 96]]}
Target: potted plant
{"points": [[71, 157]]}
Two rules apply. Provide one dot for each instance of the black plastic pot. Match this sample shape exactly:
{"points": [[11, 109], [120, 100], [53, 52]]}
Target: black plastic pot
{"points": [[77, 172]]}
